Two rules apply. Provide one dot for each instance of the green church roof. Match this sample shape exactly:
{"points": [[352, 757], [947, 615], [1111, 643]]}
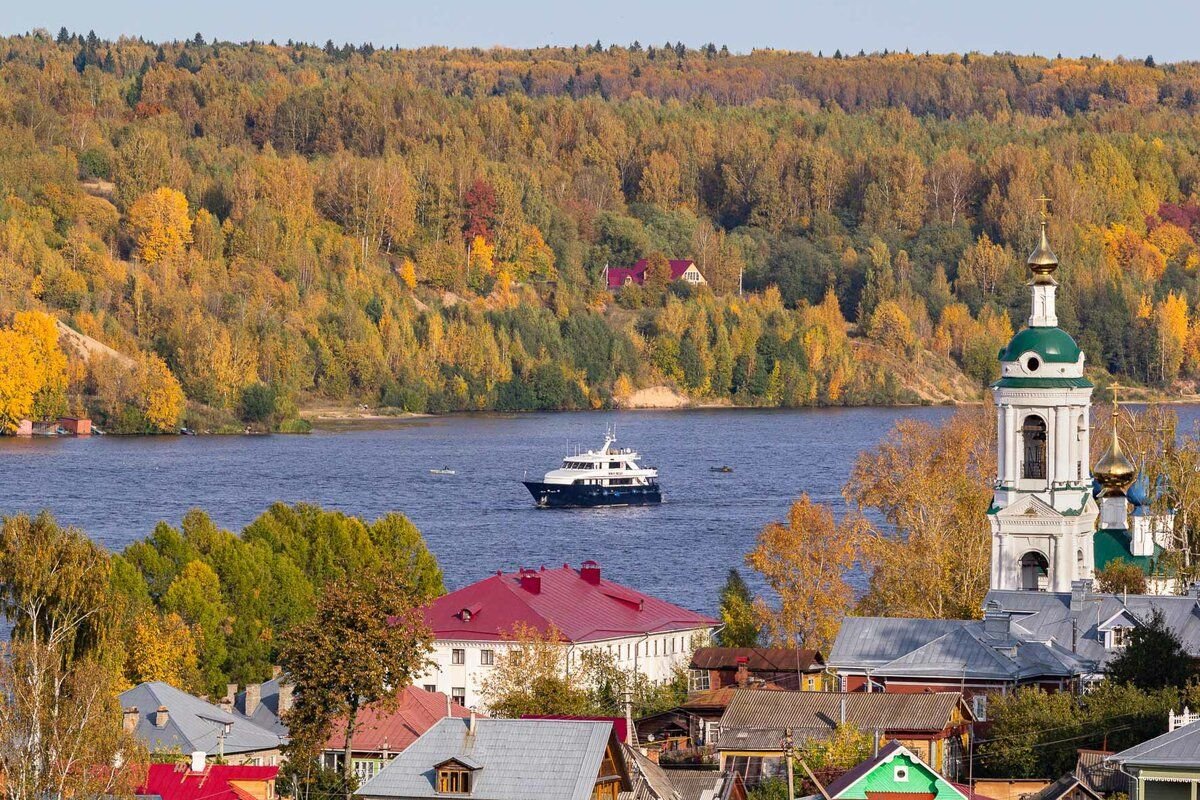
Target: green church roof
{"points": [[1112, 544], [1042, 383], [1052, 344]]}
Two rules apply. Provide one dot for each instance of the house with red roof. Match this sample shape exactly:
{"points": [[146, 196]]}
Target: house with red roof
{"points": [[474, 625], [681, 269], [200, 781], [380, 731]]}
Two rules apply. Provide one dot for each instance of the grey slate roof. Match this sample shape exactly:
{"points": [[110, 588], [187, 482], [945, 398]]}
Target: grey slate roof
{"points": [[522, 759], [1180, 749], [1100, 775], [1049, 635], [692, 783], [960, 649], [192, 724], [650, 781], [1049, 615], [267, 714]]}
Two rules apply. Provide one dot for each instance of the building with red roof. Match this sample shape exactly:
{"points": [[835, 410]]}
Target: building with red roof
{"points": [[471, 625], [381, 732], [681, 269], [209, 782]]}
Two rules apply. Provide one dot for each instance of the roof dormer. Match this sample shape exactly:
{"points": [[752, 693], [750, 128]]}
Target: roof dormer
{"points": [[456, 776]]}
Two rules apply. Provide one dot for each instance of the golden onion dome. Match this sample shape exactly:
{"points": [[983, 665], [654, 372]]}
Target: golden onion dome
{"points": [[1114, 471], [1042, 261]]}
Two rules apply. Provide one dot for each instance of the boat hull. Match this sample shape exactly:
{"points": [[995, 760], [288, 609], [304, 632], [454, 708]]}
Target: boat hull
{"points": [[565, 495]]}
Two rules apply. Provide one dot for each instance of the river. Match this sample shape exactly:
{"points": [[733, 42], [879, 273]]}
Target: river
{"points": [[481, 519]]}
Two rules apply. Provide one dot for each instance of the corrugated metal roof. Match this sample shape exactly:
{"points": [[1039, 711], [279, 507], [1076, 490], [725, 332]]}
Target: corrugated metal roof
{"points": [[522, 759], [1178, 748], [692, 783], [178, 782], [822, 711], [582, 611], [758, 659], [394, 727]]}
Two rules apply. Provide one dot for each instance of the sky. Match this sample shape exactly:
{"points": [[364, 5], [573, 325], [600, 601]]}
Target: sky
{"points": [[1166, 29]]}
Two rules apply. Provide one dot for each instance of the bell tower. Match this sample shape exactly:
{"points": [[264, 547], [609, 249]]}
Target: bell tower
{"points": [[1042, 514]]}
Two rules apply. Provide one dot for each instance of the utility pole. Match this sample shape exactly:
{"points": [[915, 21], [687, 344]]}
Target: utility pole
{"points": [[789, 748]]}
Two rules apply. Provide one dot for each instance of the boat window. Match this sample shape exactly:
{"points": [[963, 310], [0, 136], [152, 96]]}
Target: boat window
{"points": [[614, 465]]}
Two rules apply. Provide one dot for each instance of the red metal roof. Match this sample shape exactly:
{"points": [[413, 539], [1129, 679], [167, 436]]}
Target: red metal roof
{"points": [[178, 782], [582, 611], [637, 273], [378, 729]]}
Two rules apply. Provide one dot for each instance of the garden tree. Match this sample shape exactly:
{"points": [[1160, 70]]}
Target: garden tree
{"points": [[1034, 732], [60, 716], [805, 562], [531, 677], [1153, 658], [366, 641], [160, 225], [1120, 577], [928, 483], [739, 624]]}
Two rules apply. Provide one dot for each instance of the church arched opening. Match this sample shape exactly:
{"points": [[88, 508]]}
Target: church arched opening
{"points": [[1033, 435], [1035, 571]]}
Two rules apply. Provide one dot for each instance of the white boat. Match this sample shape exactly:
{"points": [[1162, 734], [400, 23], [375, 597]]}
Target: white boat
{"points": [[610, 476], [443, 471]]}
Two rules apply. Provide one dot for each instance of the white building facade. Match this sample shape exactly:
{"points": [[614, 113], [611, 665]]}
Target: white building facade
{"points": [[1043, 515], [475, 626]]}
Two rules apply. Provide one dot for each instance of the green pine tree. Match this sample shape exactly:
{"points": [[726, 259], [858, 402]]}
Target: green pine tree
{"points": [[739, 624]]}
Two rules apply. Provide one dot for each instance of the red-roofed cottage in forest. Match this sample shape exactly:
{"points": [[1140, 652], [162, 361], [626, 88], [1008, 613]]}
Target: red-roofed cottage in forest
{"points": [[475, 624], [681, 269]]}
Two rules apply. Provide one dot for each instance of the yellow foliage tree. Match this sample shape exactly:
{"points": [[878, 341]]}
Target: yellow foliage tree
{"points": [[162, 397], [163, 648], [891, 327], [50, 399], [928, 483], [160, 225], [1171, 323], [408, 273], [805, 562], [19, 378], [481, 255]]}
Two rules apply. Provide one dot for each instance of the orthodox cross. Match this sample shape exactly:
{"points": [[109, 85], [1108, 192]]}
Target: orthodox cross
{"points": [[1045, 201]]}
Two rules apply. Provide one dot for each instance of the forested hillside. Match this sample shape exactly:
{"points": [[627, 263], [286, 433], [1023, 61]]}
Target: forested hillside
{"points": [[425, 230]]}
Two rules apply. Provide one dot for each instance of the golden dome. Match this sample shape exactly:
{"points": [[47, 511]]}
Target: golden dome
{"points": [[1114, 471], [1042, 261]]}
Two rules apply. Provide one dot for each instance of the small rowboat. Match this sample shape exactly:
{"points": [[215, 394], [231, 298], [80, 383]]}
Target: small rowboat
{"points": [[443, 471]]}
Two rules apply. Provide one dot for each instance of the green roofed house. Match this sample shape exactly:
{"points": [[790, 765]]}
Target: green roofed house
{"points": [[894, 774]]}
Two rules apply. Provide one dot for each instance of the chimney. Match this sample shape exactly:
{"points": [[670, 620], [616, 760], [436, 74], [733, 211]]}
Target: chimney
{"points": [[161, 716], [129, 718], [590, 572], [531, 581], [1194, 590], [198, 759], [285, 698], [997, 623], [226, 705], [276, 671], [743, 670], [471, 725], [253, 698]]}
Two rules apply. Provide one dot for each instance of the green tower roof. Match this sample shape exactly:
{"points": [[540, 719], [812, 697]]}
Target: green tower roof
{"points": [[1052, 344]]}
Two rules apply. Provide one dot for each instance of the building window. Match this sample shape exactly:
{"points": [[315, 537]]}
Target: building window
{"points": [[487, 657], [698, 680], [1119, 637], [430, 687], [979, 707], [656, 647], [900, 773], [453, 780], [459, 695], [365, 770], [458, 656], [1033, 434]]}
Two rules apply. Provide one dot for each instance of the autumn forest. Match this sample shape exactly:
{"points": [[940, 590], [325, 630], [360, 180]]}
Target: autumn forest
{"points": [[218, 234]]}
